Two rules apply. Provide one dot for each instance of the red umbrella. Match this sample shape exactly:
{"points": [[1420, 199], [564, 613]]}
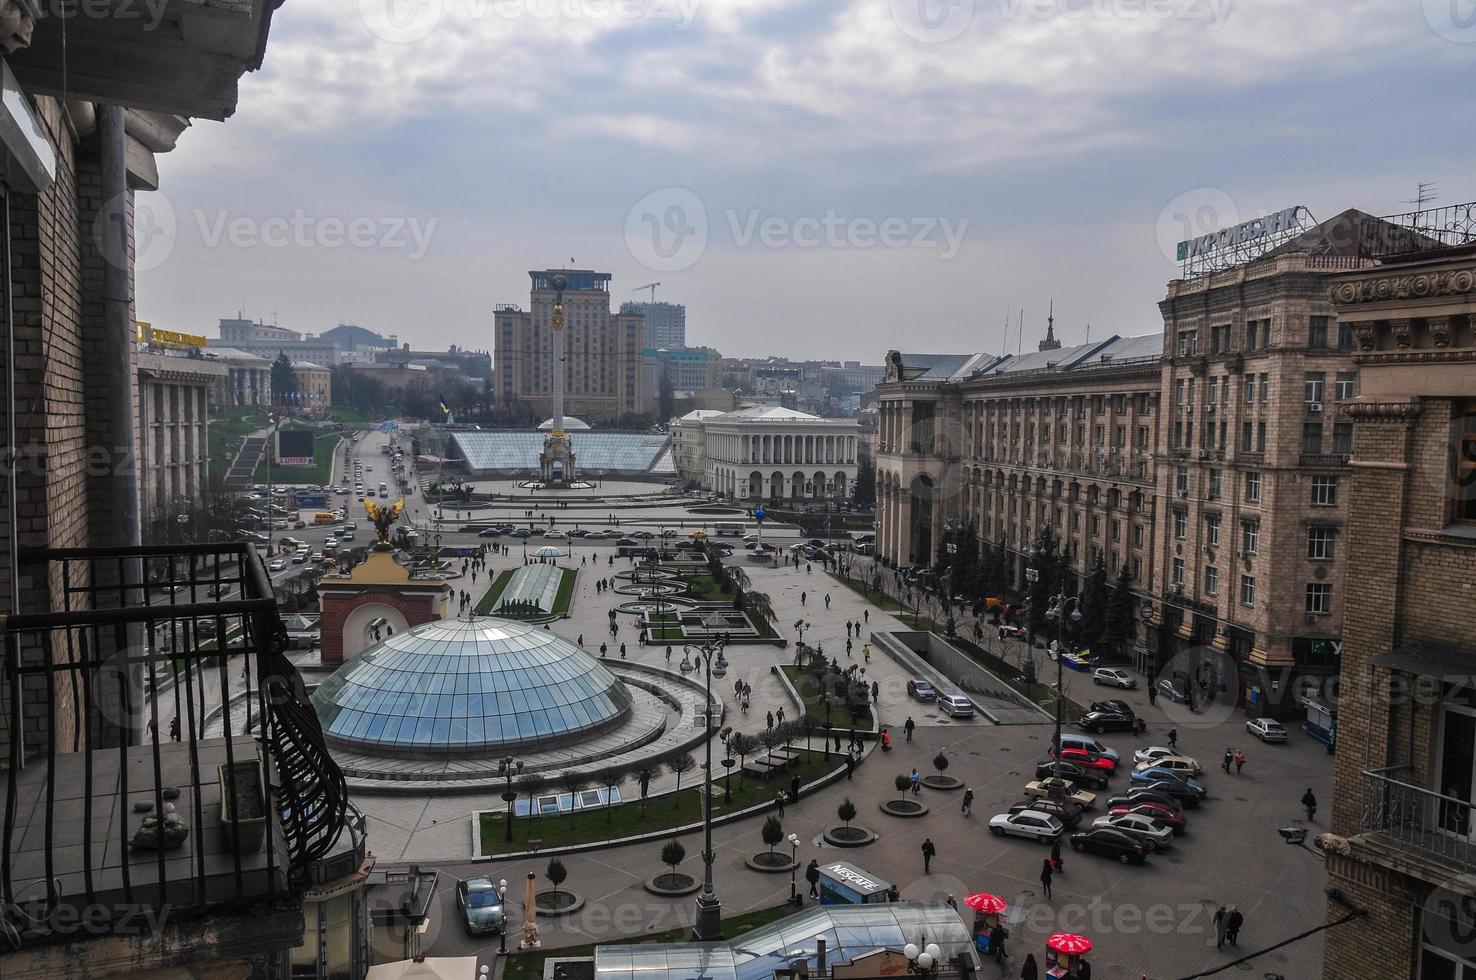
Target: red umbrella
{"points": [[1069, 943], [986, 903]]}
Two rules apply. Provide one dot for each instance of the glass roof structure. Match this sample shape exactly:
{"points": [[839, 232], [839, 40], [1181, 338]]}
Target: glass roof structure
{"points": [[469, 686], [626, 452], [849, 931]]}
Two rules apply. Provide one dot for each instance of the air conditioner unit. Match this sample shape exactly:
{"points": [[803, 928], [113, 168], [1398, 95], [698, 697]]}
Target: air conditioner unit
{"points": [[1188, 409], [1176, 589], [1311, 617], [1210, 408], [1183, 494], [1242, 555], [1314, 407], [1347, 457], [1209, 549], [1206, 455]]}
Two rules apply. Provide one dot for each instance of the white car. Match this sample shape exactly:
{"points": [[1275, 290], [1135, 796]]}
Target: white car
{"points": [[555, 536], [670, 532], [1152, 753], [1114, 677], [751, 537], [1027, 823], [277, 565], [1138, 826], [1183, 765], [1266, 729], [330, 543]]}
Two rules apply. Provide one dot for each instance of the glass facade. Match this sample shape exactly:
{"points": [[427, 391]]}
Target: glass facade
{"points": [[469, 686], [628, 452]]}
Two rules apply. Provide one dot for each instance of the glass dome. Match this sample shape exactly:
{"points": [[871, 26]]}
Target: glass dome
{"points": [[469, 686]]}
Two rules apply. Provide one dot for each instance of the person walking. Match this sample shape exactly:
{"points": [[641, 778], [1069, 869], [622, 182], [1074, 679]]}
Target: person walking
{"points": [[622, 651], [850, 759], [997, 943], [668, 653], [1239, 761], [827, 600], [1029, 970], [866, 652], [1173, 738], [812, 875], [848, 628], [173, 728], [916, 781], [1310, 802], [603, 648], [951, 902], [779, 714], [1228, 760], [779, 801], [848, 648], [1220, 926], [1152, 694], [769, 720], [794, 786], [908, 726], [580, 641], [1233, 922], [802, 598], [1057, 865], [929, 852], [968, 802], [1045, 876]]}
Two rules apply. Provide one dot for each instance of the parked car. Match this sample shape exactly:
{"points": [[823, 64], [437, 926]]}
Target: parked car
{"points": [[956, 705], [1075, 740], [1112, 704], [522, 533], [1166, 689], [921, 690], [1165, 816], [1150, 752], [626, 543], [1136, 825], [1266, 729], [555, 536], [1063, 810], [1027, 823], [1079, 775], [1114, 677], [1087, 759], [1187, 792], [1111, 721], [1111, 842], [480, 905], [1180, 765], [1136, 794], [1060, 789]]}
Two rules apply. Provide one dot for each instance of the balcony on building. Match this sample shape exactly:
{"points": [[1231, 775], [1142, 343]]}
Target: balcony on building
{"points": [[95, 764]]}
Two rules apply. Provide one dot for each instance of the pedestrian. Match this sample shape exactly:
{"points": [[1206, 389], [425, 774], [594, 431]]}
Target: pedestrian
{"points": [[779, 714], [1057, 864], [997, 943], [1310, 802], [848, 628], [929, 852], [602, 651], [866, 615], [1233, 922], [837, 741], [1173, 738], [580, 641], [866, 652], [1229, 759], [779, 801], [1220, 926], [1029, 970], [968, 802], [951, 902], [908, 726], [875, 687], [622, 651], [1083, 969], [1045, 876], [794, 786], [916, 783], [802, 598], [812, 875], [1239, 761], [848, 648], [173, 728], [850, 759], [827, 600], [769, 720], [668, 653]]}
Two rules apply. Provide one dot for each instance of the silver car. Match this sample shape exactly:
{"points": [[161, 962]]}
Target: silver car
{"points": [[481, 905], [956, 705]]}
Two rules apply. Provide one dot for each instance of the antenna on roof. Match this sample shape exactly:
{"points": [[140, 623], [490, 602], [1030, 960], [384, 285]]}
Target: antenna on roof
{"points": [[1089, 329], [1424, 194], [1020, 334]]}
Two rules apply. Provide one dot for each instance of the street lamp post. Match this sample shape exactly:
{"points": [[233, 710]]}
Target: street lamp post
{"points": [[509, 767], [502, 903], [709, 924], [1057, 614], [794, 895]]}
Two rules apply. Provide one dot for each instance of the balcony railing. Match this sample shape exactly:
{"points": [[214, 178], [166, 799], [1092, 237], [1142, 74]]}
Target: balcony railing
{"points": [[1435, 826], [107, 699], [1414, 232]]}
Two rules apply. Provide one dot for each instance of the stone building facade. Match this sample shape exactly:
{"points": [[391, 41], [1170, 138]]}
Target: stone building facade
{"points": [[602, 350], [174, 417], [1404, 781], [763, 453]]}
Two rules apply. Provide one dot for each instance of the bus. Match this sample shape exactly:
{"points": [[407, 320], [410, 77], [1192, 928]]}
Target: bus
{"points": [[728, 530], [325, 517]]}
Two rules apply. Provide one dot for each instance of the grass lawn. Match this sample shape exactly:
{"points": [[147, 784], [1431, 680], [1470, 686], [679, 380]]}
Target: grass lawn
{"points": [[488, 604], [809, 691], [348, 415], [318, 474], [663, 812], [493, 593], [703, 586], [529, 965]]}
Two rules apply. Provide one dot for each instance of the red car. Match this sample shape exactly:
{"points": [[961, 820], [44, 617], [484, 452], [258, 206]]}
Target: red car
{"points": [[1157, 812], [1084, 757]]}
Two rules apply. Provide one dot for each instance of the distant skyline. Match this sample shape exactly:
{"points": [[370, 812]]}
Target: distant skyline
{"points": [[810, 178]]}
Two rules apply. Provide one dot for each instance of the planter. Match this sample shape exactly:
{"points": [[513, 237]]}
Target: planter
{"points": [[848, 836], [937, 781], [903, 808], [556, 903], [243, 812], [669, 885], [771, 862]]}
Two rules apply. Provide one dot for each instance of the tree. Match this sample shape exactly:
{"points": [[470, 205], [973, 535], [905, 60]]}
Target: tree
{"points": [[742, 746], [1094, 601], [282, 379], [1043, 561], [610, 779], [1117, 629], [940, 763], [759, 607], [846, 811], [903, 782], [573, 782], [863, 491], [673, 854], [530, 785], [644, 775], [772, 832], [556, 873], [679, 767]]}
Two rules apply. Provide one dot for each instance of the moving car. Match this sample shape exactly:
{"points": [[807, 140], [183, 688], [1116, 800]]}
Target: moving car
{"points": [[1068, 813], [1027, 823], [1166, 689], [1145, 829], [921, 689], [300, 558], [1266, 729], [480, 905], [490, 532], [956, 705], [1080, 775], [1111, 721], [1111, 842], [556, 536], [218, 590], [1114, 677], [277, 565], [1060, 789], [1180, 765]]}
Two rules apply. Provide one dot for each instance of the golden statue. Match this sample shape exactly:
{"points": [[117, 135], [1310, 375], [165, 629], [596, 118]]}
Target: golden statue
{"points": [[384, 517]]}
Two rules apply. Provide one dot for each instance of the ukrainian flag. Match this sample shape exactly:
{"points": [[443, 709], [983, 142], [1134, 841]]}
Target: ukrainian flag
{"points": [[445, 409]]}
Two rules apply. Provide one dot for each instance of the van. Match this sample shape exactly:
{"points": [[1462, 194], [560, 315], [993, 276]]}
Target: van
{"points": [[324, 517], [1073, 740]]}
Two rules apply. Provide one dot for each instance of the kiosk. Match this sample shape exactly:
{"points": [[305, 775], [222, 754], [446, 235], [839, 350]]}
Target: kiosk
{"points": [[842, 883]]}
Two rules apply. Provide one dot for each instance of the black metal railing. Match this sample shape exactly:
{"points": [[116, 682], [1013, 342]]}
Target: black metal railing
{"points": [[1437, 826], [106, 702], [1414, 232]]}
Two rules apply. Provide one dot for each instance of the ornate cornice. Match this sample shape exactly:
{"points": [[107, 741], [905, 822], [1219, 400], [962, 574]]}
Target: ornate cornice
{"points": [[1415, 285], [1382, 411], [1418, 356]]}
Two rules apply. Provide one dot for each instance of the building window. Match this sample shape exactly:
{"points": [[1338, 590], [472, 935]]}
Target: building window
{"points": [[1250, 389], [1343, 438], [1311, 437], [1216, 480], [1212, 530], [1137, 569], [1319, 597], [1250, 536], [1137, 535], [1253, 488], [1345, 336], [1212, 581], [1117, 531], [1313, 383], [1178, 572], [1317, 331], [1260, 437], [1247, 436], [1220, 339], [1319, 544], [1345, 385], [1324, 491], [1188, 343], [1465, 464], [1181, 524], [1265, 387], [1247, 590]]}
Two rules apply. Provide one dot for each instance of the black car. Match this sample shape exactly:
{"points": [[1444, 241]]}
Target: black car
{"points": [[491, 532], [1113, 843], [1063, 810], [1110, 721], [1177, 790], [1080, 775], [1114, 705], [626, 542]]}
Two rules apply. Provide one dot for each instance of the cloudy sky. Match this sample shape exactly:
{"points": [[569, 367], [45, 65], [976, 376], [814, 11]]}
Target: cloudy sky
{"points": [[815, 178]]}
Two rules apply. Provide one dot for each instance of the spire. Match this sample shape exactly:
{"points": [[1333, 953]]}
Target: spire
{"points": [[1050, 342]]}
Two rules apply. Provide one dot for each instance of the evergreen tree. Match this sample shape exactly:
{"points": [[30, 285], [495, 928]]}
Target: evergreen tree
{"points": [[281, 379], [1117, 629], [1094, 605], [863, 491], [1045, 561]]}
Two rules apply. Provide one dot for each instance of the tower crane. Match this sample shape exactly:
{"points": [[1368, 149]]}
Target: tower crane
{"points": [[651, 286]]}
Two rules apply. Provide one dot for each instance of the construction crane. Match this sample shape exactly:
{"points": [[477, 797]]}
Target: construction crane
{"points": [[651, 286]]}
